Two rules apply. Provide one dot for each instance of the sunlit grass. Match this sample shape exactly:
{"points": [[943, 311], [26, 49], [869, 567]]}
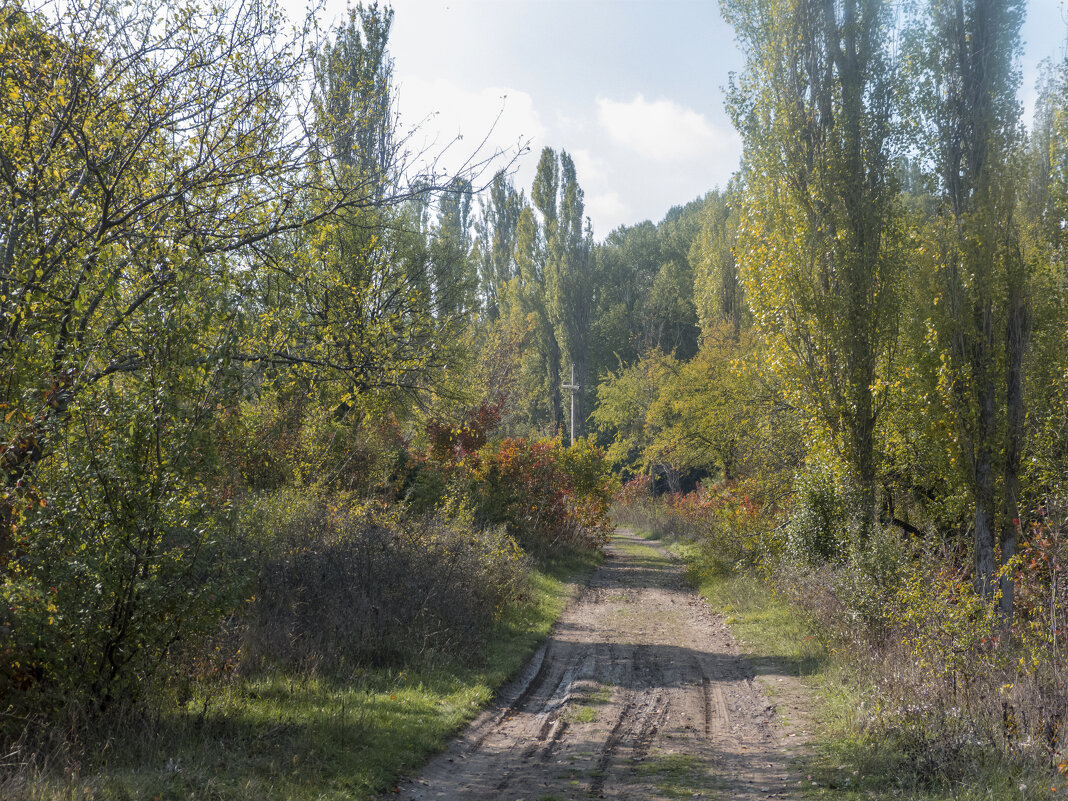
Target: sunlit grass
{"points": [[850, 757], [284, 736]]}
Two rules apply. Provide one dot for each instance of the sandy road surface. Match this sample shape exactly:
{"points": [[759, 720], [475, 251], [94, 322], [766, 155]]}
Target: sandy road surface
{"points": [[640, 693]]}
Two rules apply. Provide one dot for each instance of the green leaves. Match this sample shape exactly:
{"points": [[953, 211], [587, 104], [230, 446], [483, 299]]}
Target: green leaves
{"points": [[817, 243]]}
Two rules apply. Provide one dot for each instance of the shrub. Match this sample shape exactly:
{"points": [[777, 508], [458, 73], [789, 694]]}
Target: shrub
{"points": [[451, 442], [956, 680], [732, 520], [635, 505], [549, 497], [348, 584], [870, 578], [816, 532], [968, 676], [127, 556]]}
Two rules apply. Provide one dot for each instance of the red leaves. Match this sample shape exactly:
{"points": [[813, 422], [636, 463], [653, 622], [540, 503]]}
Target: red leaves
{"points": [[528, 486], [449, 443]]}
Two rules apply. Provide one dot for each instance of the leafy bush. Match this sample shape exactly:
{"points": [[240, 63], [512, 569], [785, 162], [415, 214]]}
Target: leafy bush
{"points": [[346, 584], [965, 675], [732, 520], [955, 680], [548, 496], [870, 579], [126, 557], [816, 532], [451, 442]]}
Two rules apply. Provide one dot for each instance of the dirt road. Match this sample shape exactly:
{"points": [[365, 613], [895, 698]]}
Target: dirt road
{"points": [[640, 693]]}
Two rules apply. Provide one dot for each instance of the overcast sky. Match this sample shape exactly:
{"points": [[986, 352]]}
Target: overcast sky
{"points": [[632, 89]]}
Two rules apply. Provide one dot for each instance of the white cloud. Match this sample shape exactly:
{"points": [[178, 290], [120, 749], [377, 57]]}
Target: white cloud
{"points": [[662, 130], [590, 168], [457, 126], [606, 208]]}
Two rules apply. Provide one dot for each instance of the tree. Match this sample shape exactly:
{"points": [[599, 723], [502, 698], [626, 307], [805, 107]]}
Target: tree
{"points": [[967, 94], [570, 286], [707, 409], [818, 245], [1044, 227], [451, 258], [627, 264], [496, 232], [148, 149], [624, 412], [670, 314], [718, 288], [184, 216], [353, 106], [530, 285]]}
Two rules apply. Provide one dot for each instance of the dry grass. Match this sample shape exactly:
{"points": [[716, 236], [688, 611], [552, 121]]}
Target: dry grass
{"points": [[926, 692], [341, 587]]}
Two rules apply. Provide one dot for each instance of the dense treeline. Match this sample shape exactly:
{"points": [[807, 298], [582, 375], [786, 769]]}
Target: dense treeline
{"points": [[272, 401], [239, 432], [880, 388]]}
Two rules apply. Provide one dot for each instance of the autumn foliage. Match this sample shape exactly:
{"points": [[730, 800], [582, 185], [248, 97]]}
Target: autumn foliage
{"points": [[548, 496]]}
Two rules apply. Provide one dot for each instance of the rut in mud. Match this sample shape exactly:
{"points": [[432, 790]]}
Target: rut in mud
{"points": [[640, 693]]}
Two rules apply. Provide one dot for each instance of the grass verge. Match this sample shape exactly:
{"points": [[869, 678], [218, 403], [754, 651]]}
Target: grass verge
{"points": [[858, 750], [300, 738]]}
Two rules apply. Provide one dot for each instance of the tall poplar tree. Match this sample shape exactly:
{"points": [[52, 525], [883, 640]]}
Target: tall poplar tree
{"points": [[718, 292], [530, 258], [569, 274], [967, 93], [495, 231], [817, 235]]}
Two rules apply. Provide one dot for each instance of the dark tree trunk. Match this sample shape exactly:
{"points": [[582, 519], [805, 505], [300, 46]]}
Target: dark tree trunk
{"points": [[555, 389], [582, 373], [1016, 336], [985, 433]]}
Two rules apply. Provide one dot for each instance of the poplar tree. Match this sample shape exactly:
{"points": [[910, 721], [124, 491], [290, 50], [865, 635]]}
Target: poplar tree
{"points": [[569, 275], [817, 230], [530, 259], [967, 96], [495, 231], [718, 292]]}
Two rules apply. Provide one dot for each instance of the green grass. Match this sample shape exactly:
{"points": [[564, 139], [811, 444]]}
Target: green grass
{"points": [[852, 755], [304, 737], [777, 635], [584, 714], [641, 551], [676, 775]]}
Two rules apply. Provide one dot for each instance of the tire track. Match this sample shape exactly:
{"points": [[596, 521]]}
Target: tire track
{"points": [[637, 679]]}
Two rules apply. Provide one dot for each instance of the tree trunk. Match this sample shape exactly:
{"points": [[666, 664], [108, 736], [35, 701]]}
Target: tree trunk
{"points": [[582, 372], [672, 477], [555, 389], [1015, 346], [864, 442], [986, 426]]}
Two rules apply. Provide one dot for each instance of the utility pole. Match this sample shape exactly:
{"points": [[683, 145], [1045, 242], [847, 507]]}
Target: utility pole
{"points": [[573, 388]]}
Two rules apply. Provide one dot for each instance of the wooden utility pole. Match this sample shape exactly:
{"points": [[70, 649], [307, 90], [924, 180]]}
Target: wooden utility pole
{"points": [[572, 388]]}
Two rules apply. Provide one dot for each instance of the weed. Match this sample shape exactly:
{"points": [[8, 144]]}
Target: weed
{"points": [[675, 775], [878, 735], [584, 714], [293, 734]]}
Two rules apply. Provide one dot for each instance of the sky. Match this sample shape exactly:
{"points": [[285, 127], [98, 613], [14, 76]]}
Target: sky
{"points": [[632, 89]]}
